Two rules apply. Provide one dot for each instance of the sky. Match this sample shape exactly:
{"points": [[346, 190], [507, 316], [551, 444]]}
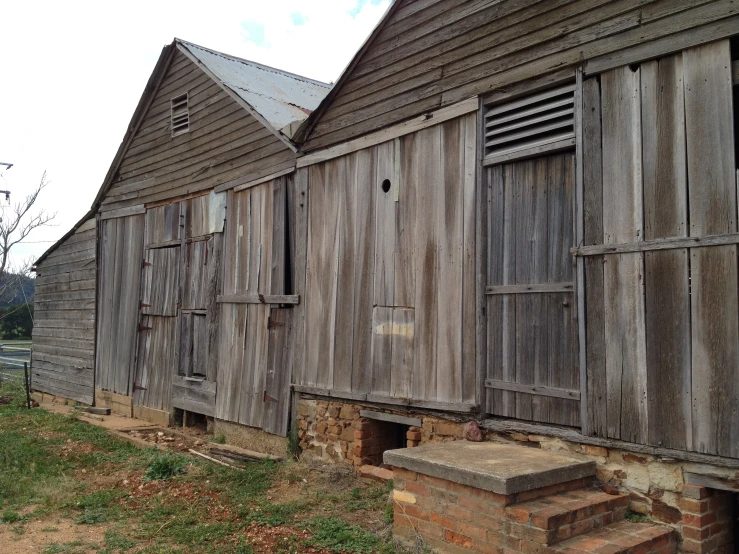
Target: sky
{"points": [[72, 73]]}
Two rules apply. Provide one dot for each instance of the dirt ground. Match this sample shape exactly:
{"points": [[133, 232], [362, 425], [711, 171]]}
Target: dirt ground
{"points": [[35, 536]]}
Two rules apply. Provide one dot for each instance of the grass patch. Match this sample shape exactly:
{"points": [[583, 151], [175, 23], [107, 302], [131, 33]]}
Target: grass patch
{"points": [[337, 535], [54, 466], [165, 466], [219, 439], [635, 517]]}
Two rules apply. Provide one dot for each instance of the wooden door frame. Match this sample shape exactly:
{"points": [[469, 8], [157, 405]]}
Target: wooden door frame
{"points": [[482, 239]]}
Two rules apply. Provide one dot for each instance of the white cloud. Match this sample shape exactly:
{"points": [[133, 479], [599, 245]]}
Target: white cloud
{"points": [[73, 72]]}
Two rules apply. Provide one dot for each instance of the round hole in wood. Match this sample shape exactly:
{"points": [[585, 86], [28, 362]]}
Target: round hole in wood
{"points": [[386, 186]]}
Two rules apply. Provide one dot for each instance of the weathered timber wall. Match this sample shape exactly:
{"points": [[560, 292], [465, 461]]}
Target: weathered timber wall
{"points": [[224, 143], [662, 325], [389, 282], [64, 328], [254, 372], [433, 54]]}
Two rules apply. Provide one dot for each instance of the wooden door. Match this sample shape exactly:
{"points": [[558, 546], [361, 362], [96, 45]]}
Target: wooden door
{"points": [[532, 370], [121, 246], [156, 359]]}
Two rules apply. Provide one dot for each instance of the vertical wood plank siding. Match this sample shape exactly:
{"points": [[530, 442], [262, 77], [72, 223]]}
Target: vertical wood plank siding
{"points": [[121, 253], [224, 143], [449, 50], [62, 361], [253, 352], [662, 326], [531, 339], [387, 280]]}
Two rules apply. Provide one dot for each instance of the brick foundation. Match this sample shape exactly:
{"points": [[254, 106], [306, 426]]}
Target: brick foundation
{"points": [[454, 518], [707, 518]]}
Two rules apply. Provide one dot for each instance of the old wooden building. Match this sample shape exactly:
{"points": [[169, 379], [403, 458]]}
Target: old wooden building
{"points": [[140, 306], [522, 213]]}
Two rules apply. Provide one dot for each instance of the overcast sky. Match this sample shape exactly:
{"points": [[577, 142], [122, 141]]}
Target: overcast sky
{"points": [[71, 74]]}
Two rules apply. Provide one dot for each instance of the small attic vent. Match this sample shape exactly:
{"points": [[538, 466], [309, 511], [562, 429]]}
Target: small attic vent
{"points": [[530, 125], [180, 115]]}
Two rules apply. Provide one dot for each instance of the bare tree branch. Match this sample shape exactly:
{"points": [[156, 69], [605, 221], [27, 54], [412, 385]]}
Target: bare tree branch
{"points": [[17, 222]]}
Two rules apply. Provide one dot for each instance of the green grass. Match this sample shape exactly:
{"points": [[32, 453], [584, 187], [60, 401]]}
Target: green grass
{"points": [[337, 535], [164, 466], [53, 466]]}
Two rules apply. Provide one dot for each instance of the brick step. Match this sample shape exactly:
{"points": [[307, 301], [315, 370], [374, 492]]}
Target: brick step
{"points": [[558, 517], [623, 537]]}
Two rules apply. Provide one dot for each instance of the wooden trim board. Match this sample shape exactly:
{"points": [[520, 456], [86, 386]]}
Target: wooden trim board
{"points": [[497, 425], [386, 400], [542, 288], [657, 244], [258, 299], [538, 390], [123, 212], [264, 179], [389, 133]]}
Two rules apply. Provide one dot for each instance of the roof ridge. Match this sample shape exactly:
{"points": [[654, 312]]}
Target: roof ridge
{"points": [[255, 64]]}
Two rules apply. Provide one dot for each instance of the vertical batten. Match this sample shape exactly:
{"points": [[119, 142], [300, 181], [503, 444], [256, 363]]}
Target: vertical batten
{"points": [[624, 273]]}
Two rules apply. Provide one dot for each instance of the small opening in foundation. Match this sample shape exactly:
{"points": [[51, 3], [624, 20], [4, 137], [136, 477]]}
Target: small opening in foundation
{"points": [[385, 435]]}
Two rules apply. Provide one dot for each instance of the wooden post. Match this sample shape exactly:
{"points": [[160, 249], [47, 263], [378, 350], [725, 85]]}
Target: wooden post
{"points": [[580, 264]]}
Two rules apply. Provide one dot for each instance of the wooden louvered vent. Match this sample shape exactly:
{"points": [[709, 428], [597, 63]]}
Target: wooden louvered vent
{"points": [[530, 126], [180, 115]]}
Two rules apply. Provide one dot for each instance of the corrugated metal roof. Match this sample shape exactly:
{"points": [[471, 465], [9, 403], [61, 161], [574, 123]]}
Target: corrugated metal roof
{"points": [[279, 97]]}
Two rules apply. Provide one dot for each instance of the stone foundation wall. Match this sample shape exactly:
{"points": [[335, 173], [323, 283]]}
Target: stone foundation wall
{"points": [[334, 430]]}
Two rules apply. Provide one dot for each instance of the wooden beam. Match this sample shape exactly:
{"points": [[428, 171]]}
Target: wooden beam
{"points": [[123, 212], [269, 177], [530, 289], [712, 482], [579, 223], [258, 177], [735, 73], [546, 146], [452, 407], [258, 299], [657, 244], [389, 133], [538, 390], [568, 434]]}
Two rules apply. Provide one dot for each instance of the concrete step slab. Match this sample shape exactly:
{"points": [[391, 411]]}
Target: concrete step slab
{"points": [[500, 468]]}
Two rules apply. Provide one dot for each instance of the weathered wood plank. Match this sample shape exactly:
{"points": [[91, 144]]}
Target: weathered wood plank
{"points": [[343, 182], [382, 350], [713, 208], [449, 234], [426, 256], [364, 268], [385, 219], [624, 274], [666, 273]]}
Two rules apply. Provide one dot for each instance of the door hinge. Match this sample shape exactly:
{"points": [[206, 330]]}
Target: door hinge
{"points": [[143, 304], [270, 398], [143, 327], [272, 324], [138, 387], [145, 264]]}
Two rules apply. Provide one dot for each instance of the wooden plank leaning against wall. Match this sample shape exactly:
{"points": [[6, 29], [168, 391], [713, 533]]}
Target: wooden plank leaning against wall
{"points": [[662, 314], [390, 280], [64, 326]]}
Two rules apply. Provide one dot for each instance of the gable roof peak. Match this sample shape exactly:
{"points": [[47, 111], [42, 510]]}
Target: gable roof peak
{"points": [[282, 98]]}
